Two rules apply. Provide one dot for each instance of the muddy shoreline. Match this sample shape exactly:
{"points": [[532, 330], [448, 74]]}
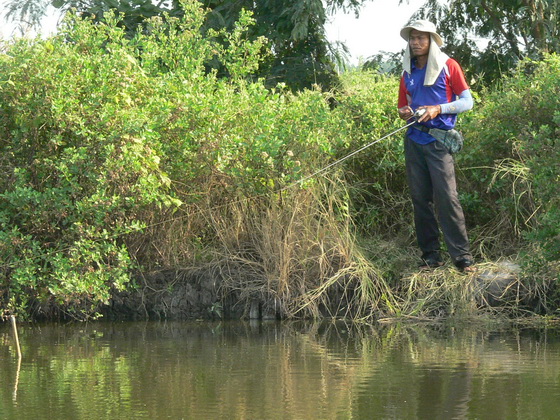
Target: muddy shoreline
{"points": [[200, 294]]}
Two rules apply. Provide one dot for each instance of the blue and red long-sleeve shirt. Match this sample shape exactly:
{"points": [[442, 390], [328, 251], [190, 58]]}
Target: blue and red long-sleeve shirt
{"points": [[448, 86]]}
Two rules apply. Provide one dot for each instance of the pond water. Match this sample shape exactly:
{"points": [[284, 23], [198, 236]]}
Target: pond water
{"points": [[237, 370]]}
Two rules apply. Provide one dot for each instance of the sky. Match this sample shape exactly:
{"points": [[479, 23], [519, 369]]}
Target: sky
{"points": [[8, 29], [376, 29]]}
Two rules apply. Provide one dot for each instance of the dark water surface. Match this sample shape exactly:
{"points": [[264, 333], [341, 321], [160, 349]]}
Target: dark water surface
{"points": [[236, 370]]}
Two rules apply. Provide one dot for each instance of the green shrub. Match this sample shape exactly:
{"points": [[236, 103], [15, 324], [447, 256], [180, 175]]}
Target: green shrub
{"points": [[512, 155], [511, 168], [367, 107], [131, 153], [85, 151]]}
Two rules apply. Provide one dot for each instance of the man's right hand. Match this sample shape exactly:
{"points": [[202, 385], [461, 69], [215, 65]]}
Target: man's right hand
{"points": [[406, 112]]}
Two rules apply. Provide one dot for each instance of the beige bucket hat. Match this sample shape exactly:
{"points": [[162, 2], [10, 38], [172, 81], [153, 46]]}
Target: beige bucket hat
{"points": [[422, 26]]}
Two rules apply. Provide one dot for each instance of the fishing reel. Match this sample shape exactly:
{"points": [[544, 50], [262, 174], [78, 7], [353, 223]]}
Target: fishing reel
{"points": [[418, 113]]}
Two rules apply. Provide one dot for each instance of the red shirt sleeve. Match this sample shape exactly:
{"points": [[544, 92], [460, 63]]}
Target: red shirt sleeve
{"points": [[456, 77], [403, 95]]}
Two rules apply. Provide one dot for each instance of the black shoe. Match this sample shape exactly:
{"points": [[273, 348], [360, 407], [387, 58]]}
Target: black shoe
{"points": [[431, 260], [465, 265]]}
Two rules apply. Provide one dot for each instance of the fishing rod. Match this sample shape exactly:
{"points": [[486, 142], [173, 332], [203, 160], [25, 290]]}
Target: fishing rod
{"points": [[417, 114]]}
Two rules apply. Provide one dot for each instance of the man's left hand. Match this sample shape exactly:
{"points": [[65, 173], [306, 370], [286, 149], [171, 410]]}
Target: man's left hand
{"points": [[432, 111]]}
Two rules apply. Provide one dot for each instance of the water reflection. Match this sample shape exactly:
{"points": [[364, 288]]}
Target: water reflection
{"points": [[237, 370]]}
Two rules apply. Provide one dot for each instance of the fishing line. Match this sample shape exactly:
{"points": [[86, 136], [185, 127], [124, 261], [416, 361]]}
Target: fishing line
{"points": [[355, 152]]}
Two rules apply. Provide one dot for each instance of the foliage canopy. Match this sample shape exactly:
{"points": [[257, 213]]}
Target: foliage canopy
{"points": [[491, 36], [300, 53]]}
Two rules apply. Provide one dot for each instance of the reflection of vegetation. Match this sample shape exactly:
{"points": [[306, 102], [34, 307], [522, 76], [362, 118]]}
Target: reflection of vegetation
{"points": [[298, 370]]}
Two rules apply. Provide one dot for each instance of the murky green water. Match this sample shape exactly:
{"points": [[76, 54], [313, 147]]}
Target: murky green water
{"points": [[235, 370]]}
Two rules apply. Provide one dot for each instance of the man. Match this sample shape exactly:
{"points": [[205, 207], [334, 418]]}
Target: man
{"points": [[433, 90]]}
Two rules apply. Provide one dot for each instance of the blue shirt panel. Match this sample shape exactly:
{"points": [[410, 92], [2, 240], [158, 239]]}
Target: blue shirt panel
{"points": [[428, 95]]}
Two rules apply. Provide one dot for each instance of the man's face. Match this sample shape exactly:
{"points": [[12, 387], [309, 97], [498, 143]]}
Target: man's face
{"points": [[419, 43]]}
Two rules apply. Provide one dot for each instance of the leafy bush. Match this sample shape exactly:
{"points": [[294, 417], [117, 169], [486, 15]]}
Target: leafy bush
{"points": [[85, 148], [512, 159], [125, 153], [367, 106]]}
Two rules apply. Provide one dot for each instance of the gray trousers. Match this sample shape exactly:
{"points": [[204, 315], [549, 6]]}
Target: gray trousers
{"points": [[431, 178]]}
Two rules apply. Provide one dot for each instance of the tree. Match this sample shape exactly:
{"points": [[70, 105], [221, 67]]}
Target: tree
{"points": [[296, 33], [301, 54], [28, 12], [513, 29]]}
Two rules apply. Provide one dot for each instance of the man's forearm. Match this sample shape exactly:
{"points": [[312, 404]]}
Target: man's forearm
{"points": [[462, 104]]}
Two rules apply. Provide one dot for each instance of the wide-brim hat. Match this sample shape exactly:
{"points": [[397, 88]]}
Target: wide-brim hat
{"points": [[422, 26]]}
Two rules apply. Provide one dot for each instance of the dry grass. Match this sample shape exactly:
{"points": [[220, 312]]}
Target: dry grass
{"points": [[297, 252], [497, 288]]}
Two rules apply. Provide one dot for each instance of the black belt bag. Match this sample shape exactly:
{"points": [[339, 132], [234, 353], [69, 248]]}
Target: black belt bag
{"points": [[451, 139]]}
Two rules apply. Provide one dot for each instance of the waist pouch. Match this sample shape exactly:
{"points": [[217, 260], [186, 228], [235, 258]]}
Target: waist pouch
{"points": [[451, 139]]}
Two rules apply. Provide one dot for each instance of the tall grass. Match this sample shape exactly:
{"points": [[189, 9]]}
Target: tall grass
{"points": [[296, 252]]}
